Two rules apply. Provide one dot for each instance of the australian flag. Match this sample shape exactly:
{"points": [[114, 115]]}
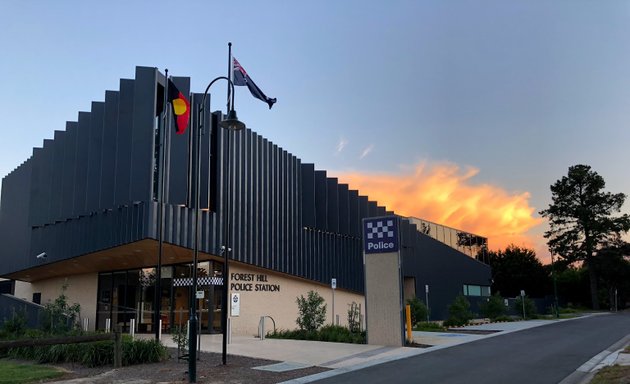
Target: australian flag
{"points": [[242, 78]]}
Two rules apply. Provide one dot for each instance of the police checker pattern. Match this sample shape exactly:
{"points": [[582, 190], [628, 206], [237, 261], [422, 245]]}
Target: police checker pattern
{"points": [[380, 230]]}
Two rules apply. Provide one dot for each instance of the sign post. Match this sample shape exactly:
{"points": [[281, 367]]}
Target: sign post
{"points": [[426, 299], [383, 281], [523, 301], [333, 285]]}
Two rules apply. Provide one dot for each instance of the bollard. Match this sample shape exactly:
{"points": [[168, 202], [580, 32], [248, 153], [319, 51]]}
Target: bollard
{"points": [[229, 331], [132, 328], [108, 325], [261, 328], [86, 324], [160, 330]]}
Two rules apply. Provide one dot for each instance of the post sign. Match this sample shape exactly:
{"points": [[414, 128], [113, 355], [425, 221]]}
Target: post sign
{"points": [[380, 234], [199, 294], [235, 302], [333, 283], [522, 293]]}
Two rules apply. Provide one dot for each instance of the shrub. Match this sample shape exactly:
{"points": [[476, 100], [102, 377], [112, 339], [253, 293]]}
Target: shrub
{"points": [[354, 318], [419, 310], [530, 307], [428, 327], [94, 354], [331, 333], [312, 311], [493, 308], [458, 312]]}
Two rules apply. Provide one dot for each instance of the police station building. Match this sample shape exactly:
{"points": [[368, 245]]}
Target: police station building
{"points": [[83, 212]]}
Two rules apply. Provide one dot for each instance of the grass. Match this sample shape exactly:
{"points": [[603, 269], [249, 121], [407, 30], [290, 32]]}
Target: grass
{"points": [[12, 372], [616, 374]]}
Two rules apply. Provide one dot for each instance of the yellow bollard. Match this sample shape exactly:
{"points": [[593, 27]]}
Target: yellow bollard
{"points": [[408, 313]]}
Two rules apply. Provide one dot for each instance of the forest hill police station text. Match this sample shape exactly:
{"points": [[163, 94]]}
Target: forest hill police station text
{"points": [[249, 282]]}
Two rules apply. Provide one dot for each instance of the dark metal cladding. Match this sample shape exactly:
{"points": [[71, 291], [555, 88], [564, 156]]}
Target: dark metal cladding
{"points": [[109, 152], [81, 169], [95, 161], [143, 127], [124, 142]]}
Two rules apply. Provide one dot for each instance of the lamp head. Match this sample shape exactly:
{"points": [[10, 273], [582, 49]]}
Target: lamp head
{"points": [[232, 122], [42, 255]]}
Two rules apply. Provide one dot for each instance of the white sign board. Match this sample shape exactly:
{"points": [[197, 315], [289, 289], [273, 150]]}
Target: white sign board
{"points": [[426, 288], [333, 283], [235, 303], [522, 293], [200, 294]]}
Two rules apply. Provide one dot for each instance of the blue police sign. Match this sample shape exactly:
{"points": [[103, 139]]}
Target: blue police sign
{"points": [[380, 234]]}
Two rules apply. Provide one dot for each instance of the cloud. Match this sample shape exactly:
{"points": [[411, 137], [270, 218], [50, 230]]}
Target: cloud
{"points": [[445, 193], [341, 144], [366, 151]]}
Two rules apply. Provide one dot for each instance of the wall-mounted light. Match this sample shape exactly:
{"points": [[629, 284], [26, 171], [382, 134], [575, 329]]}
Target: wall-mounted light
{"points": [[42, 255]]}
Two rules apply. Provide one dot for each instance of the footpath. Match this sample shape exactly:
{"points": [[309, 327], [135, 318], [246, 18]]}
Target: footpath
{"points": [[342, 357]]}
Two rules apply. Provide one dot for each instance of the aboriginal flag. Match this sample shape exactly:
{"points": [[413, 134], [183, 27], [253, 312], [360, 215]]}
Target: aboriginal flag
{"points": [[181, 108], [242, 78]]}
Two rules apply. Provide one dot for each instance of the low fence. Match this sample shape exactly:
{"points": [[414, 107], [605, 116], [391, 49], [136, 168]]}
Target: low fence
{"points": [[116, 336]]}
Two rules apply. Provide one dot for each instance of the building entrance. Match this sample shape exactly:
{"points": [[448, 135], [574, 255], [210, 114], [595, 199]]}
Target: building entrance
{"points": [[127, 295]]}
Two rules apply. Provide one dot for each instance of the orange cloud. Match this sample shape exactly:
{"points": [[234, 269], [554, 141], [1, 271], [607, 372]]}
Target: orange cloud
{"points": [[444, 193]]}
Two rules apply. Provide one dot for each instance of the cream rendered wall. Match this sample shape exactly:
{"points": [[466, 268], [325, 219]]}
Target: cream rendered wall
{"points": [[281, 304], [81, 289], [23, 290]]}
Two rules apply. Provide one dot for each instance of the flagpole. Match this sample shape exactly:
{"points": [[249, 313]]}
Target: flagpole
{"points": [[160, 200], [229, 77]]}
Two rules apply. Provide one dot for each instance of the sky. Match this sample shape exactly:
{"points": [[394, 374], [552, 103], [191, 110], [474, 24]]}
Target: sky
{"points": [[458, 112]]}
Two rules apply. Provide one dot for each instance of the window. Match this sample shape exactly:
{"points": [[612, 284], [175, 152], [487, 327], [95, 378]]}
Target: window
{"points": [[476, 290]]}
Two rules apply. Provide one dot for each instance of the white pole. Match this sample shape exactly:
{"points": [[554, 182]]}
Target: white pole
{"points": [[108, 325], [132, 328], [160, 330]]}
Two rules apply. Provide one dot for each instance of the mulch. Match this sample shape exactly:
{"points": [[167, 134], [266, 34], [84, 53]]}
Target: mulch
{"points": [[239, 369]]}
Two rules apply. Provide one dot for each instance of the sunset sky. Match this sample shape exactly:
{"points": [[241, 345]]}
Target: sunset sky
{"points": [[459, 112]]}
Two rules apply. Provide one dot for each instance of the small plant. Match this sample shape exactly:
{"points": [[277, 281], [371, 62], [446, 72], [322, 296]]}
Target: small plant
{"points": [[419, 311], [312, 311], [458, 312], [493, 308], [354, 318], [180, 337], [530, 307], [60, 317]]}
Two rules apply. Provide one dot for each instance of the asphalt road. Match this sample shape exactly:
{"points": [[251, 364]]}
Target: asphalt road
{"points": [[546, 354]]}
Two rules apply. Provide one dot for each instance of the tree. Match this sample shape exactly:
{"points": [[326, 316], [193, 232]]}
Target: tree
{"points": [[312, 311], [494, 307], [581, 219], [419, 311], [517, 268], [458, 312], [613, 271]]}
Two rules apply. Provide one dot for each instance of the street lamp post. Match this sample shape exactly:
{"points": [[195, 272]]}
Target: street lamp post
{"points": [[231, 123]]}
